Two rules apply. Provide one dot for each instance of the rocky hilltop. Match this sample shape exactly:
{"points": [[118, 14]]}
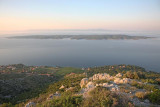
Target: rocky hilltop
{"points": [[111, 86]]}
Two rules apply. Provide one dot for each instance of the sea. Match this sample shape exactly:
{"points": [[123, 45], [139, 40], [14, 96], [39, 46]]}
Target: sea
{"points": [[81, 53]]}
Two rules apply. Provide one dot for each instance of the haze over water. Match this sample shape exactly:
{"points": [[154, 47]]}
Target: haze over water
{"points": [[81, 53]]}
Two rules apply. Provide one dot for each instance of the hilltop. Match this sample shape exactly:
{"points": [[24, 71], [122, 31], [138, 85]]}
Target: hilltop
{"points": [[111, 85]]}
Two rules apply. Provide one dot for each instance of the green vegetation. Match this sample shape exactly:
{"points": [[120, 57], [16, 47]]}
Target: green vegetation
{"points": [[19, 82], [66, 100], [155, 97], [66, 70], [114, 69], [148, 87], [60, 86], [101, 97]]}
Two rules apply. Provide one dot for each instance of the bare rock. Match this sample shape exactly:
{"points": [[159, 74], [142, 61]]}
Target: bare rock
{"points": [[105, 84], [102, 76], [84, 81], [119, 75], [90, 85], [117, 80], [30, 104], [122, 81], [61, 87], [126, 80]]}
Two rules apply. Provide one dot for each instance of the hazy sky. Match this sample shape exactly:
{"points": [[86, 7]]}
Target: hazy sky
{"points": [[20, 15]]}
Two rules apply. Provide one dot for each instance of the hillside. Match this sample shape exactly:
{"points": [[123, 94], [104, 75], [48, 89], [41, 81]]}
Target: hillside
{"points": [[112, 85]]}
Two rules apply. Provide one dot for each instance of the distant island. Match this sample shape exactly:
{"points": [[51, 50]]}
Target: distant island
{"points": [[86, 37]]}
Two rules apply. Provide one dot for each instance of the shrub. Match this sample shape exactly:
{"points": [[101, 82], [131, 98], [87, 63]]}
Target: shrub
{"points": [[158, 80], [154, 97], [6, 105], [134, 83], [149, 81], [140, 95], [101, 97], [66, 100], [101, 81]]}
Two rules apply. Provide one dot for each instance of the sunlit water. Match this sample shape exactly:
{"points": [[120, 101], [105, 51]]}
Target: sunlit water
{"points": [[81, 53]]}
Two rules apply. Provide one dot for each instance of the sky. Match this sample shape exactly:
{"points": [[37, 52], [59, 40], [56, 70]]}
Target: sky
{"points": [[129, 15]]}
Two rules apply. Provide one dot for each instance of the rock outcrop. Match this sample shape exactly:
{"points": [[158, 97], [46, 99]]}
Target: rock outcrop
{"points": [[112, 87], [30, 104], [84, 81], [102, 76], [122, 81], [85, 91], [119, 75]]}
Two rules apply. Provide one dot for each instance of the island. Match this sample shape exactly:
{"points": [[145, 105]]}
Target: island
{"points": [[86, 37]]}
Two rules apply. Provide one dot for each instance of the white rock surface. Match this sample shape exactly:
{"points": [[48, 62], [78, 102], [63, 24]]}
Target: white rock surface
{"points": [[119, 75], [61, 87], [102, 76], [122, 81], [84, 81]]}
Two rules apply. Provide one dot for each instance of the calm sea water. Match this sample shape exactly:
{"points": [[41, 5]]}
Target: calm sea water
{"points": [[81, 53]]}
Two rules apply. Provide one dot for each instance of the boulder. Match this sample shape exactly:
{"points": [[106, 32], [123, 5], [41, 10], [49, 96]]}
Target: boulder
{"points": [[126, 80], [102, 76], [61, 87], [100, 84], [119, 75], [30, 104], [84, 81], [122, 81], [113, 89], [97, 85], [117, 80], [90, 85], [105, 84]]}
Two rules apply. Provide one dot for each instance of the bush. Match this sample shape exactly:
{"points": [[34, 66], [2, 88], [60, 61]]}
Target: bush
{"points": [[140, 95], [158, 80], [144, 86], [149, 81], [6, 105], [154, 97], [66, 100], [101, 97]]}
